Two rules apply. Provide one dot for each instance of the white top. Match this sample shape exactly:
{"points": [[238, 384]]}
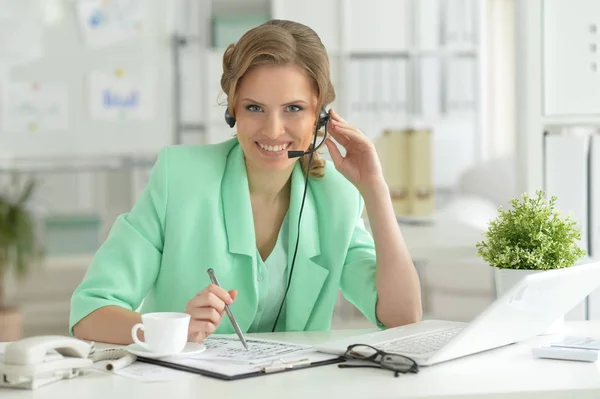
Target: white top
{"points": [[272, 283], [510, 372]]}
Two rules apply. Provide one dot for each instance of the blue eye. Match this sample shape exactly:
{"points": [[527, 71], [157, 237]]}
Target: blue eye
{"points": [[253, 108], [294, 108]]}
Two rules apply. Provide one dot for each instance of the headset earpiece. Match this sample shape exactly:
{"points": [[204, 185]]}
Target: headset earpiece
{"points": [[323, 118], [229, 118]]}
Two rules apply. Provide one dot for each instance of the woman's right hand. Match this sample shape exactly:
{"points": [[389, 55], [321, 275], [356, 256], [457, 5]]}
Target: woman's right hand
{"points": [[206, 311]]}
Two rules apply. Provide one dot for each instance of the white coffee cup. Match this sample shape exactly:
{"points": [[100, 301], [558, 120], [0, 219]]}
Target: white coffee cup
{"points": [[164, 332]]}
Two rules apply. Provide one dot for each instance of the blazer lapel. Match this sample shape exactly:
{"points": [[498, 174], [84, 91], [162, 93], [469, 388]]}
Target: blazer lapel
{"points": [[239, 228], [308, 276]]}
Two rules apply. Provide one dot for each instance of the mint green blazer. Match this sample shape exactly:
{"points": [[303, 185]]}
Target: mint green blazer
{"points": [[195, 213]]}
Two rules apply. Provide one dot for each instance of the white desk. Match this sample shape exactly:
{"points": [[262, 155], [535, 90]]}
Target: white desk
{"points": [[509, 372]]}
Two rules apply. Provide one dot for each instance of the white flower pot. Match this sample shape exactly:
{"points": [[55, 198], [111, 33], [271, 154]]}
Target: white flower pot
{"points": [[505, 279]]}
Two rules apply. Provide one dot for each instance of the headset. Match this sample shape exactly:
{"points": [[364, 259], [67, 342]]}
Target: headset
{"points": [[321, 123]]}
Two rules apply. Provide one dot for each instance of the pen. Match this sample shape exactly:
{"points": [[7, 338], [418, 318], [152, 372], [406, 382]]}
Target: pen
{"points": [[213, 278], [123, 362], [286, 365]]}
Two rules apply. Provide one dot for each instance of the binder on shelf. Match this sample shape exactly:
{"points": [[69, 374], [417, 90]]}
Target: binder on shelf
{"points": [[387, 91], [594, 193], [430, 87], [392, 148], [356, 94], [594, 219], [407, 167], [371, 90], [428, 24], [460, 85], [459, 23], [399, 84], [368, 37], [421, 197], [566, 178]]}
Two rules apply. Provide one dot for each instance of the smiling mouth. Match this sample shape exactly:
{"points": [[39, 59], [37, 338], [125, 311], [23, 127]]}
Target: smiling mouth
{"points": [[273, 148]]}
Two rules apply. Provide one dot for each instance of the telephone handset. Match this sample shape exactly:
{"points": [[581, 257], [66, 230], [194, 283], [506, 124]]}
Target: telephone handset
{"points": [[36, 361]]}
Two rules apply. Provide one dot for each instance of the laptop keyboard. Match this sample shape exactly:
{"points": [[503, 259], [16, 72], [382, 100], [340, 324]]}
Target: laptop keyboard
{"points": [[421, 343]]}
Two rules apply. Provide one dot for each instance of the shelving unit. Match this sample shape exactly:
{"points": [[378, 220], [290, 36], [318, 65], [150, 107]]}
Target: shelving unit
{"points": [[558, 87]]}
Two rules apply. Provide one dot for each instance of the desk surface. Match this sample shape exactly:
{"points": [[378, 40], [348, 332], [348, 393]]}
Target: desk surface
{"points": [[509, 372]]}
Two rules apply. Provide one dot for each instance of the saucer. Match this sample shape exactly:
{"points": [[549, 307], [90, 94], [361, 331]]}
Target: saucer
{"points": [[190, 349]]}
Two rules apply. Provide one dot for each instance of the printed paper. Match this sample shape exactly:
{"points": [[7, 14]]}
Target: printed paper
{"points": [[34, 107], [21, 33], [108, 22], [231, 349], [121, 95]]}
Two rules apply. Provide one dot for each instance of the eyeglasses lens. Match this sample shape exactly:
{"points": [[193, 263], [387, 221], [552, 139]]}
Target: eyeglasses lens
{"points": [[362, 352], [397, 362]]}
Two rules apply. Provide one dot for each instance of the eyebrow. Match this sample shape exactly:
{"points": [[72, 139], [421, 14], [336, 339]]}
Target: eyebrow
{"points": [[288, 103]]}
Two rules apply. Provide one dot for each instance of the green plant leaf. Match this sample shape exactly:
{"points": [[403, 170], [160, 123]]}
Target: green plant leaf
{"points": [[531, 235], [20, 246], [27, 192]]}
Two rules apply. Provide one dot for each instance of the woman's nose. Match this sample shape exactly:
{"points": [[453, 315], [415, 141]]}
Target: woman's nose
{"points": [[275, 126]]}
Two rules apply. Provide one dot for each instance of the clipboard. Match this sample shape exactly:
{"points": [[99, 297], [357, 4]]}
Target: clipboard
{"points": [[273, 368]]}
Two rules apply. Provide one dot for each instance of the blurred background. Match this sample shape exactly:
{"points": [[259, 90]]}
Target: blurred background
{"points": [[90, 91]]}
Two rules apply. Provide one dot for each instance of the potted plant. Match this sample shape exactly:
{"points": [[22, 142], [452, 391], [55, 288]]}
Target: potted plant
{"points": [[20, 249], [531, 237]]}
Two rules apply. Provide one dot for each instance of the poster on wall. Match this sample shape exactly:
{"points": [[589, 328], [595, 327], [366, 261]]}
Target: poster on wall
{"points": [[121, 95], [21, 33], [34, 107], [109, 22]]}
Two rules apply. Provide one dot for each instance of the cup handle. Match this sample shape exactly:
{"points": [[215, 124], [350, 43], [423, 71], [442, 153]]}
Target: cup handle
{"points": [[134, 330]]}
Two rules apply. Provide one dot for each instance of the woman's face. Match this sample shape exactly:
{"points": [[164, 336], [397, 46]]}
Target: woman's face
{"points": [[275, 111]]}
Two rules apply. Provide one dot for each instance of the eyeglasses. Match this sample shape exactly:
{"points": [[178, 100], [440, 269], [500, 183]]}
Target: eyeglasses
{"points": [[399, 364]]}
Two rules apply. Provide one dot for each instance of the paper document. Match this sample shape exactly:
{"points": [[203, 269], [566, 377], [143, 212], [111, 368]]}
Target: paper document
{"points": [[225, 356], [235, 368], [122, 94], [21, 32], [34, 107], [105, 23], [150, 373], [231, 349]]}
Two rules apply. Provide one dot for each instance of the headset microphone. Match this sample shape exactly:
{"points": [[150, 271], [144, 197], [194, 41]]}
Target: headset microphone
{"points": [[296, 154]]}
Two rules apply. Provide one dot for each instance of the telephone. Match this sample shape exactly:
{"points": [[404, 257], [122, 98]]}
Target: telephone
{"points": [[32, 362]]}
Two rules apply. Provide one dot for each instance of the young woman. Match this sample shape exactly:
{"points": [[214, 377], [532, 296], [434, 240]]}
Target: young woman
{"points": [[240, 207]]}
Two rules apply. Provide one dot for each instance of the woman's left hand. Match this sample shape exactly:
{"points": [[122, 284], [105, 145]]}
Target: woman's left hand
{"points": [[361, 164]]}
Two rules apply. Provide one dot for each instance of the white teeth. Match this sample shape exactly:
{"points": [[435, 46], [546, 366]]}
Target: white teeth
{"points": [[273, 148]]}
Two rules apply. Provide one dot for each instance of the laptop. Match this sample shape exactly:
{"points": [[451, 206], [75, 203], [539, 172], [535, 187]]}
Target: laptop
{"points": [[533, 305]]}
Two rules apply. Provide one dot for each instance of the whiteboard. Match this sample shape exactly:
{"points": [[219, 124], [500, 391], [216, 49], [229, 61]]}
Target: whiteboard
{"points": [[76, 75]]}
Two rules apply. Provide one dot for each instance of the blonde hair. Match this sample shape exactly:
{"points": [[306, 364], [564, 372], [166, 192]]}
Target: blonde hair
{"points": [[280, 42]]}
